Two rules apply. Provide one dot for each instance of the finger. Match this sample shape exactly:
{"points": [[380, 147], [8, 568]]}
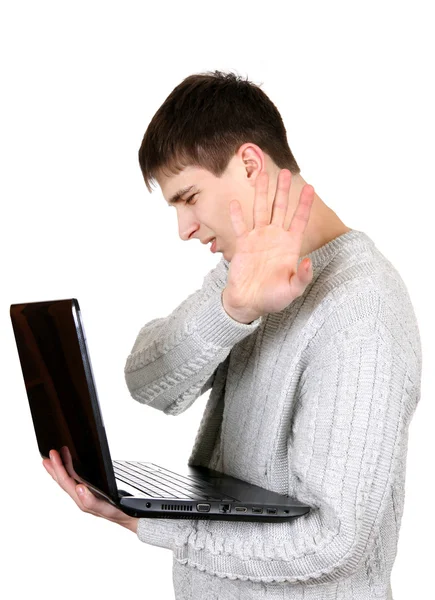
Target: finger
{"points": [[301, 216], [281, 200], [237, 219], [67, 483], [47, 464], [66, 457], [261, 211], [87, 502]]}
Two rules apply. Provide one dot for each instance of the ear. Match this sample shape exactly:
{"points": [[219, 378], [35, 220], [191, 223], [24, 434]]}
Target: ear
{"points": [[253, 160]]}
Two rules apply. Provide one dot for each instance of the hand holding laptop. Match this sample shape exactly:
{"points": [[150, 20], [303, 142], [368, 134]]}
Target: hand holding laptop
{"points": [[72, 440], [87, 502]]}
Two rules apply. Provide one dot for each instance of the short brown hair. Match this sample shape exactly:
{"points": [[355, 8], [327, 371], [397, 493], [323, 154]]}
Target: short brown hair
{"points": [[205, 120]]}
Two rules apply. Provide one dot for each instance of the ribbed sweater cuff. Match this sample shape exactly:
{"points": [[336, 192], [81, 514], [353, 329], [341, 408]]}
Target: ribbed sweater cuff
{"points": [[159, 532], [215, 326]]}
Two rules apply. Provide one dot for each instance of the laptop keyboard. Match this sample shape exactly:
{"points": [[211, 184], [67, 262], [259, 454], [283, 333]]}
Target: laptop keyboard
{"points": [[161, 483]]}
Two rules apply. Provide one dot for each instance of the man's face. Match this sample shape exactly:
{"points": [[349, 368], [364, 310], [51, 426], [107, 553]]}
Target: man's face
{"points": [[207, 213]]}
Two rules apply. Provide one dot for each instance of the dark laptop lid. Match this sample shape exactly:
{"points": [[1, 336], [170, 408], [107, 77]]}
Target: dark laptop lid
{"points": [[60, 387]]}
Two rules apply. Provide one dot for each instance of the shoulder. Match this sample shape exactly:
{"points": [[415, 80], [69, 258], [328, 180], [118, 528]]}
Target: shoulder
{"points": [[359, 292]]}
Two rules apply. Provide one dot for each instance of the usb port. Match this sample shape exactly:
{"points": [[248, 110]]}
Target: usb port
{"points": [[203, 507], [241, 509], [271, 511], [257, 510]]}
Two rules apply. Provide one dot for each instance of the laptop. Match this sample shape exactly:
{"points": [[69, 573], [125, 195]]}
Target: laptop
{"points": [[65, 410]]}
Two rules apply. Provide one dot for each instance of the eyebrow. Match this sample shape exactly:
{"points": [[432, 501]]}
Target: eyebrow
{"points": [[178, 195]]}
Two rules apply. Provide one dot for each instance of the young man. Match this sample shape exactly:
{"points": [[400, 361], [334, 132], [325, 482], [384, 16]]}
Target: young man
{"points": [[307, 337]]}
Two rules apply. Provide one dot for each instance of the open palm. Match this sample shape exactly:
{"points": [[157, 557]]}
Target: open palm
{"points": [[263, 276]]}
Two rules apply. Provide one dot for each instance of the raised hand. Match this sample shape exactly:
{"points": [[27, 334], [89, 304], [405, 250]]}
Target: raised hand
{"points": [[263, 276]]}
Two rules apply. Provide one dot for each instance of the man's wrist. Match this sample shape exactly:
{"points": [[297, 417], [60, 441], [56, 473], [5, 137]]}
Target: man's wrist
{"points": [[238, 315], [132, 524]]}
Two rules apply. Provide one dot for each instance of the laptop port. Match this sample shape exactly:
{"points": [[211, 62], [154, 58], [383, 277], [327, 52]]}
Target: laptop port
{"points": [[271, 511], [203, 507], [224, 508], [241, 509], [257, 510]]}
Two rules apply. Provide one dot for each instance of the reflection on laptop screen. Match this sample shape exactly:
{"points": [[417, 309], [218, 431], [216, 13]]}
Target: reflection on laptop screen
{"points": [[57, 372]]}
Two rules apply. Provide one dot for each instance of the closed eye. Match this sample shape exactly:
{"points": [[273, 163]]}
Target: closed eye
{"points": [[188, 201]]}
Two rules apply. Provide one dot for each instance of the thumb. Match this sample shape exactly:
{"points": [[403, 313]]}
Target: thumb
{"points": [[305, 271], [308, 265], [302, 277]]}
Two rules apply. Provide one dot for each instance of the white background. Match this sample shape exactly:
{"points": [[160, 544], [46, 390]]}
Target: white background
{"points": [[80, 83]]}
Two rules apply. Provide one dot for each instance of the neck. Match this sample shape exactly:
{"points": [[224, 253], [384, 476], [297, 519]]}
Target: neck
{"points": [[323, 224]]}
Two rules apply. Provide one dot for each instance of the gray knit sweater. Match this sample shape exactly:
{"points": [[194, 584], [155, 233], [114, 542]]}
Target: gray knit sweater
{"points": [[314, 401]]}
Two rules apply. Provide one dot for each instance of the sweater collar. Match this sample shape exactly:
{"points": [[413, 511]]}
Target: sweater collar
{"points": [[346, 243]]}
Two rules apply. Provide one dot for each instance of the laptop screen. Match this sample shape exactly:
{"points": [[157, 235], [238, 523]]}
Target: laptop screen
{"points": [[60, 387]]}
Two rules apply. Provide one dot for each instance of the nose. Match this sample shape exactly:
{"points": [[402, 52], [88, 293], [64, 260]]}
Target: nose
{"points": [[186, 230]]}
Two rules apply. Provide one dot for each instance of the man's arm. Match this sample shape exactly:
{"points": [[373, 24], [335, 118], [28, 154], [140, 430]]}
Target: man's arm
{"points": [[174, 359], [356, 401]]}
